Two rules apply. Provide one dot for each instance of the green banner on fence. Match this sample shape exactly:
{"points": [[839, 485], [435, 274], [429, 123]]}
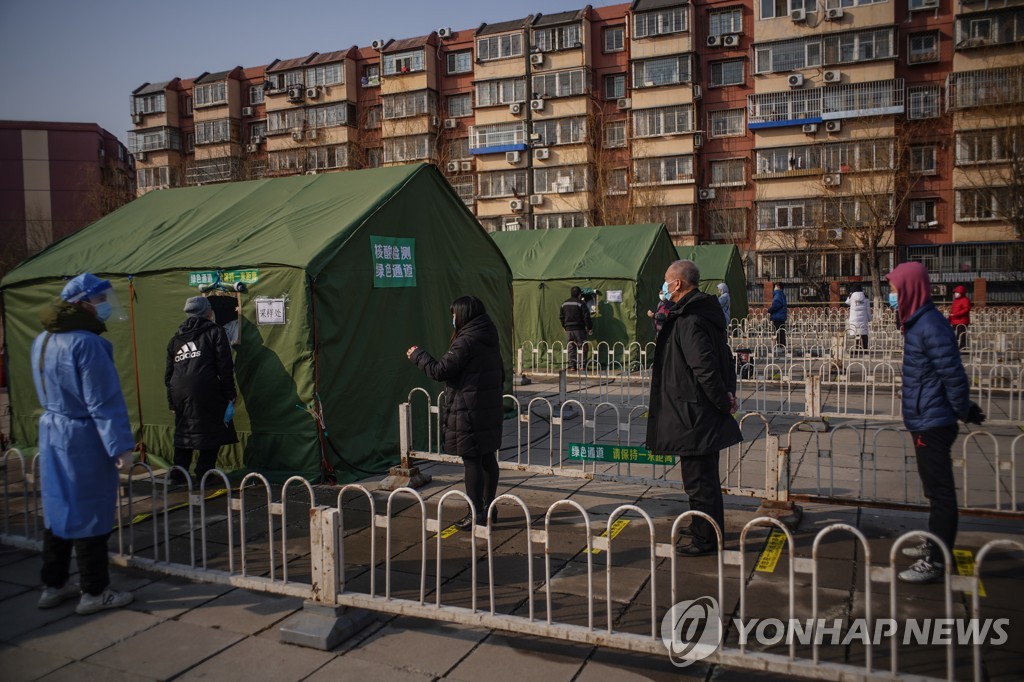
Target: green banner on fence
{"points": [[617, 453]]}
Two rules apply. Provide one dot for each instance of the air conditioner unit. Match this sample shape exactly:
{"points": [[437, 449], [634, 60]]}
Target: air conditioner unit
{"points": [[536, 199], [515, 108], [542, 154], [697, 92], [296, 93], [444, 33], [714, 41], [795, 80], [378, 44], [246, 111], [731, 40], [938, 290], [467, 165], [451, 124], [833, 126], [515, 205], [311, 134], [512, 157], [806, 292], [140, 156], [453, 166], [834, 234], [706, 194], [537, 104], [252, 148], [435, 121], [624, 103], [698, 140], [810, 128], [831, 180], [798, 15], [834, 14], [832, 76], [297, 135], [537, 59], [312, 93], [809, 235], [256, 139], [137, 118]]}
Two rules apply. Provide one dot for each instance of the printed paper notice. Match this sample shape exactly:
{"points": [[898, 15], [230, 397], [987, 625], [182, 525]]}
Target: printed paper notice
{"points": [[615, 296], [270, 311]]}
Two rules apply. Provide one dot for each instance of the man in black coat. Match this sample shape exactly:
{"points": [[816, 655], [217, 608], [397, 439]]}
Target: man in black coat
{"points": [[693, 387], [575, 318], [200, 382]]}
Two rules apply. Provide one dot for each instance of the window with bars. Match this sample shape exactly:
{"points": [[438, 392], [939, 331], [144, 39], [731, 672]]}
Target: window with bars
{"points": [[459, 106], [257, 130], [153, 139], [726, 123], [852, 99], [990, 28], [1000, 145], [664, 170], [788, 160], [329, 115], [460, 62], [856, 211], [220, 130], [324, 158], [614, 39], [553, 221], [403, 62], [728, 172], [496, 184], [923, 101], [557, 38], [560, 84], [458, 148], [678, 219], [663, 121], [787, 214], [922, 212], [560, 179], [374, 157], [615, 86], [923, 159], [861, 46], [860, 155], [830, 50], [660, 22], [148, 104], [465, 187], [408, 148], [284, 120], [507, 91], [980, 204], [325, 74], [924, 47], [371, 75], [408, 104], [499, 47], [497, 135], [615, 134], [985, 87], [649, 73], [725, 21], [561, 130], [726, 73], [210, 94]]}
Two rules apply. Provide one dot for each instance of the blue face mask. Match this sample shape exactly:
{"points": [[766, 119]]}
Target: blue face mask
{"points": [[664, 292], [892, 299], [103, 311]]}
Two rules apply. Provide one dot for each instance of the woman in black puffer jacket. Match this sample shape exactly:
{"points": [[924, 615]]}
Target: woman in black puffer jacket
{"points": [[474, 376]]}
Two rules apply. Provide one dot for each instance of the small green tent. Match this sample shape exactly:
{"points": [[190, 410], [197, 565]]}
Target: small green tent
{"points": [[345, 271], [626, 264], [720, 263]]}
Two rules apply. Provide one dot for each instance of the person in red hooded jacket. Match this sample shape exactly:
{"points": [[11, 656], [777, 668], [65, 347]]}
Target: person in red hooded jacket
{"points": [[960, 315]]}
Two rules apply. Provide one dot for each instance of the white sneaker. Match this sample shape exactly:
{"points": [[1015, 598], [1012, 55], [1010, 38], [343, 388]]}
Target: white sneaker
{"points": [[921, 551], [55, 596], [110, 599], [923, 572]]}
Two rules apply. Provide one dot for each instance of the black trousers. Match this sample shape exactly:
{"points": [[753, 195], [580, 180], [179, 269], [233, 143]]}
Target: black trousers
{"points": [[577, 340], [92, 561], [961, 336], [933, 448], [481, 480], [780, 330], [207, 460], [702, 484], [862, 342]]}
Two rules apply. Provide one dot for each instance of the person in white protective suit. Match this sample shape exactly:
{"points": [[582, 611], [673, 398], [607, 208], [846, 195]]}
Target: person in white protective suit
{"points": [[860, 315]]}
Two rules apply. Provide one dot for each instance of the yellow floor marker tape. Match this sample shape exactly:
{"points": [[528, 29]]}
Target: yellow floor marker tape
{"points": [[616, 528], [446, 533], [771, 552], [139, 518], [964, 559]]}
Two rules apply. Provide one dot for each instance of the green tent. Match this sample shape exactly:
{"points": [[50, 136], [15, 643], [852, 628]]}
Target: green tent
{"points": [[720, 263], [345, 271], [625, 264]]}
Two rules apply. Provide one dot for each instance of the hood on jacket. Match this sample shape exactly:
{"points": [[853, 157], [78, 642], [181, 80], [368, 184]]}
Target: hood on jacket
{"points": [[960, 289], [858, 296], [913, 289], [194, 326], [698, 303], [723, 288], [481, 329], [61, 316]]}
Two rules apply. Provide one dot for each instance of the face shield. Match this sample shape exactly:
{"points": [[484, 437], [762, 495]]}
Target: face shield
{"points": [[104, 302]]}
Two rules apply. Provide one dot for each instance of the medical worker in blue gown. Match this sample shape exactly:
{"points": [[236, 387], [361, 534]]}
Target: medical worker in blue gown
{"points": [[84, 438]]}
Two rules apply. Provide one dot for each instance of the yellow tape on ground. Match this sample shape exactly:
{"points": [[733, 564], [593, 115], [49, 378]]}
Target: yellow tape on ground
{"points": [[139, 518], [772, 551], [617, 527], [446, 533], [964, 559]]}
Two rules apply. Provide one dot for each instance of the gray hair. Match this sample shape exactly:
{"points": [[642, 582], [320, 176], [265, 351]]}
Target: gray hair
{"points": [[687, 271]]}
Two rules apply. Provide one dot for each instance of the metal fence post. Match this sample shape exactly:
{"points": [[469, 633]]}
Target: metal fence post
{"points": [[776, 503], [812, 397], [405, 475]]}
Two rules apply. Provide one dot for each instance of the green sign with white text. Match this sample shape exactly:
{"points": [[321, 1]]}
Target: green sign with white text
{"points": [[617, 453], [394, 262], [226, 277]]}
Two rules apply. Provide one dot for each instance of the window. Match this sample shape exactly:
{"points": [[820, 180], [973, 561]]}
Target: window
{"points": [[663, 121], [374, 157], [615, 39], [208, 132], [924, 48], [373, 117], [832, 4], [787, 214], [618, 181], [190, 143], [728, 172], [988, 146], [559, 84], [553, 221], [773, 8], [325, 74], [863, 155], [148, 104], [187, 108], [257, 130], [923, 101], [862, 46], [726, 123], [788, 160], [459, 106], [405, 105], [284, 120], [498, 184], [990, 28], [465, 187], [323, 158], [460, 62], [561, 179], [615, 134], [371, 76], [922, 212], [922, 159], [725, 21], [153, 139], [661, 22], [458, 149], [665, 170], [329, 115], [557, 38], [987, 87], [615, 86], [403, 62], [662, 71], [923, 4], [980, 204], [678, 219], [773, 266], [491, 93], [499, 47], [727, 223], [256, 94], [727, 73], [409, 148], [497, 135], [152, 178], [561, 130], [211, 94]]}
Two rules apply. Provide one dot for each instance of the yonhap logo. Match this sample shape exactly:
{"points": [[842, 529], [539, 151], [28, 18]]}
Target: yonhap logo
{"points": [[692, 630]]}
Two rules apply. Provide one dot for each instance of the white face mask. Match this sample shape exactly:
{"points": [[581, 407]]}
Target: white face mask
{"points": [[957, 295]]}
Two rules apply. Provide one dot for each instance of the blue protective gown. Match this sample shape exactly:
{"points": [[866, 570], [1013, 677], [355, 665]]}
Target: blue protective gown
{"points": [[83, 429]]}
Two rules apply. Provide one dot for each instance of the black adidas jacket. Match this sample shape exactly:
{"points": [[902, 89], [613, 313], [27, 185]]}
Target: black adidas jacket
{"points": [[200, 381]]}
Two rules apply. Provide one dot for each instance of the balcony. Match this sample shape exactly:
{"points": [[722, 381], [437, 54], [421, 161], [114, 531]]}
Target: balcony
{"points": [[154, 139], [494, 139], [827, 103], [983, 88]]}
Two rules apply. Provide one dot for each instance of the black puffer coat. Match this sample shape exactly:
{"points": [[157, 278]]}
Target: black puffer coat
{"points": [[692, 377], [474, 376], [200, 381]]}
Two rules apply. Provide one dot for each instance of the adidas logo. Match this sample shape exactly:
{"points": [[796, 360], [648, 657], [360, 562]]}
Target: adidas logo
{"points": [[186, 352]]}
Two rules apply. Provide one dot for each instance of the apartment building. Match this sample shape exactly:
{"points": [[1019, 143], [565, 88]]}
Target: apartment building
{"points": [[828, 139]]}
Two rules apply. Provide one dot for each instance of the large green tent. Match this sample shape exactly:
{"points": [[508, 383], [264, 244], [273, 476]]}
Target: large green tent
{"points": [[345, 271], [626, 264], [720, 263]]}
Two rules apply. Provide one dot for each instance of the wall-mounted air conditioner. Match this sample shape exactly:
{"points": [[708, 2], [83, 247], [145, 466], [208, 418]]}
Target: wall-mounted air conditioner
{"points": [[798, 15], [515, 108], [450, 124], [795, 80], [624, 103], [938, 290], [378, 44], [730, 40], [832, 76], [453, 166], [312, 93], [537, 104], [810, 128], [714, 41], [444, 33], [698, 140], [246, 111], [311, 134], [807, 292], [834, 14], [834, 234], [297, 135], [296, 93], [697, 92], [536, 199], [515, 205], [706, 194], [140, 156], [467, 165], [252, 148], [831, 179], [542, 154], [512, 157], [833, 126], [537, 59], [137, 119]]}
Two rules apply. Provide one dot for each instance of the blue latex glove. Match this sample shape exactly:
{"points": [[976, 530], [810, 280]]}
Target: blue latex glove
{"points": [[229, 413]]}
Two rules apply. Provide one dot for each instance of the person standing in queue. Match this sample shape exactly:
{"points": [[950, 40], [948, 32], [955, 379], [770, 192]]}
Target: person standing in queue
{"points": [[778, 313], [577, 323]]}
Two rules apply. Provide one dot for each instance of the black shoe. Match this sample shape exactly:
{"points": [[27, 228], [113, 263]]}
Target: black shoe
{"points": [[696, 549], [176, 478], [686, 532], [465, 523], [494, 514]]}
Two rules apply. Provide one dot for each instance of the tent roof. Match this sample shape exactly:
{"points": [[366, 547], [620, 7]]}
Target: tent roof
{"points": [[714, 259], [299, 221], [609, 252]]}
